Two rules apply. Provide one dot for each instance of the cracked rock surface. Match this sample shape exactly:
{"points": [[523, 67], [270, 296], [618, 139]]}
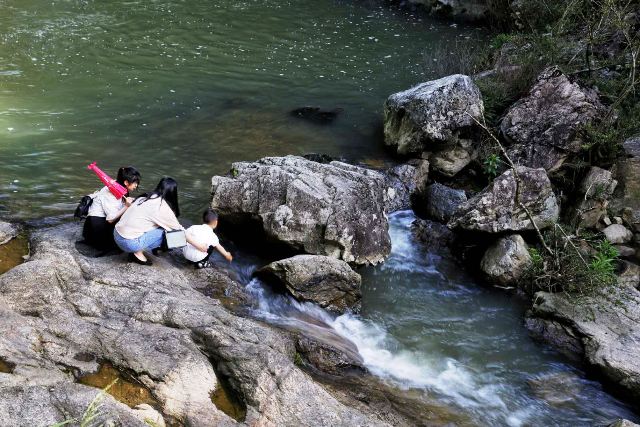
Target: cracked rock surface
{"points": [[154, 322], [332, 209]]}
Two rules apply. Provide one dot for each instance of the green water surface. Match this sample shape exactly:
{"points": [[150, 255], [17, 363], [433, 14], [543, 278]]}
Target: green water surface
{"points": [[184, 88]]}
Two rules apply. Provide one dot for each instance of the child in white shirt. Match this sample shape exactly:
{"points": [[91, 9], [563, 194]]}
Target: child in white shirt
{"points": [[204, 236]]}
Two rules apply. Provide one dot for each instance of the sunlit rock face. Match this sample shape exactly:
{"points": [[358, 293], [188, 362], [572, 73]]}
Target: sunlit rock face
{"points": [[332, 209]]}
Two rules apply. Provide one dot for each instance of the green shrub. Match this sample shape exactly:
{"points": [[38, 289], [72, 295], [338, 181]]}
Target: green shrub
{"points": [[491, 164], [500, 40], [579, 266], [602, 264]]}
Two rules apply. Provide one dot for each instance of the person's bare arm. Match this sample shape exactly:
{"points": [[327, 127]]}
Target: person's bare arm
{"points": [[201, 248], [224, 253], [116, 216]]}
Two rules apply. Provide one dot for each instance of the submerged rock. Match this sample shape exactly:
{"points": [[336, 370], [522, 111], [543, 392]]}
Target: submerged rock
{"points": [[316, 114], [61, 312], [327, 281], [543, 127], [506, 260], [432, 115], [593, 196], [556, 389], [333, 209], [466, 10], [7, 232], [495, 209], [603, 330], [441, 202]]}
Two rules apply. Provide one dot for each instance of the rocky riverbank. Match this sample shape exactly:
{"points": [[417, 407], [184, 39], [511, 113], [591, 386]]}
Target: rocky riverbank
{"points": [[523, 199], [66, 314], [572, 249]]}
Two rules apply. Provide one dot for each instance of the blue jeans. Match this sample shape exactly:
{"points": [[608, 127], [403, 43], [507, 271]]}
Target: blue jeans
{"points": [[150, 240]]}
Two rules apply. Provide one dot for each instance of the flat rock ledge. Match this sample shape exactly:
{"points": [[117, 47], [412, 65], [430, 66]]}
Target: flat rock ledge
{"points": [[603, 331], [332, 209], [63, 313]]}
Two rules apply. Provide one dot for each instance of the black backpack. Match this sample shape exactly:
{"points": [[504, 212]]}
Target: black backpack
{"points": [[83, 208]]}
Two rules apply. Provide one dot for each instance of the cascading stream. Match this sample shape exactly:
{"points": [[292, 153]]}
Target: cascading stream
{"points": [[463, 352]]}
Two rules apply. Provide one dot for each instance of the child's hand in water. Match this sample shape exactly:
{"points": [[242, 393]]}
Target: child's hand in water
{"points": [[228, 257]]}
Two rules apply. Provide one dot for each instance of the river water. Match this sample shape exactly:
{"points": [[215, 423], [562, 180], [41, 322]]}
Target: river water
{"points": [[185, 88]]}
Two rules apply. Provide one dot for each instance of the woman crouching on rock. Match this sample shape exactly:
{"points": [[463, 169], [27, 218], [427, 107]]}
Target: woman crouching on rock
{"points": [[106, 209], [141, 228]]}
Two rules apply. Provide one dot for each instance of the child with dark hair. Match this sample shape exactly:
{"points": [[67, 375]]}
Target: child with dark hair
{"points": [[203, 235], [106, 210]]}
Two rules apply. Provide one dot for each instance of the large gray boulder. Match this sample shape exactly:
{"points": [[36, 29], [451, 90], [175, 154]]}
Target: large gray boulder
{"points": [[7, 232], [62, 313], [495, 209], [603, 331], [432, 115], [593, 197], [543, 127], [333, 209], [506, 261], [441, 202], [327, 281]]}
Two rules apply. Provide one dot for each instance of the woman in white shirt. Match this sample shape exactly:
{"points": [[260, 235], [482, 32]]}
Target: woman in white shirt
{"points": [[143, 224], [106, 210]]}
